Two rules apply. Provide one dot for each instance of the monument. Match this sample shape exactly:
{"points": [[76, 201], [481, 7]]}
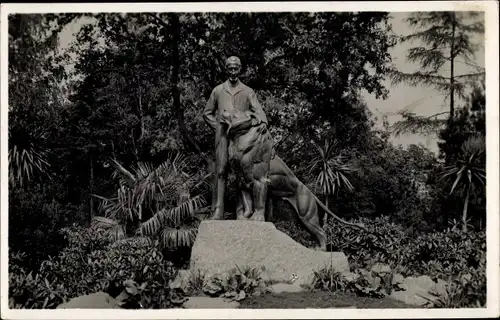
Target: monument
{"points": [[228, 97], [244, 141]]}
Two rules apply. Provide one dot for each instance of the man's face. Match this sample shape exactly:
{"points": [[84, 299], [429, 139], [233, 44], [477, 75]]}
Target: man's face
{"points": [[233, 71]]}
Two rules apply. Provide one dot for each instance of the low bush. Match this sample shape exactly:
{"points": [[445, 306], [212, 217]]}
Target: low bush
{"points": [[296, 231], [327, 279], [466, 291], [237, 284], [89, 264], [363, 249], [452, 255], [435, 254]]}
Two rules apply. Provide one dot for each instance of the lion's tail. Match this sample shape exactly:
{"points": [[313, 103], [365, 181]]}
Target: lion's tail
{"points": [[322, 205]]}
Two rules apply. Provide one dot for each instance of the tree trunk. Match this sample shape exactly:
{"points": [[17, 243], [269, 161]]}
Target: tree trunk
{"points": [[325, 218], [176, 93], [464, 213], [91, 181], [141, 125], [452, 71], [172, 31]]}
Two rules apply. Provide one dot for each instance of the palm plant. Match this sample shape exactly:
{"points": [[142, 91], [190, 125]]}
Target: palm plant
{"points": [[468, 175], [333, 173], [27, 156], [153, 202]]}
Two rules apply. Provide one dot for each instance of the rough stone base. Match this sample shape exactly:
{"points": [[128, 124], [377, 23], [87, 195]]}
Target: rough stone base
{"points": [[222, 245]]}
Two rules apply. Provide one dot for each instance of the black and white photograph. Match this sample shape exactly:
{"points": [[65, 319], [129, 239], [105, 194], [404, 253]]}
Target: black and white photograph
{"points": [[217, 160]]}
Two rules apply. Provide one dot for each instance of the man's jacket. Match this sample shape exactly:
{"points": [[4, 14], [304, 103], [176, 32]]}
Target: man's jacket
{"points": [[221, 99]]}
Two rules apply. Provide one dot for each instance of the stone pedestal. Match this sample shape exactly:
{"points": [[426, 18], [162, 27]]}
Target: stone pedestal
{"points": [[222, 245]]}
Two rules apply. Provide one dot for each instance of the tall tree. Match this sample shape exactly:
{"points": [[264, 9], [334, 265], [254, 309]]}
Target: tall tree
{"points": [[35, 94], [36, 99], [470, 119], [446, 38], [462, 146]]}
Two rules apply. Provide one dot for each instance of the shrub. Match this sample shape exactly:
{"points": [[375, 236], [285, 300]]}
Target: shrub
{"points": [[451, 254], [363, 249], [30, 291], [237, 284], [92, 263], [196, 282], [327, 279], [466, 291], [35, 218], [295, 230], [154, 201]]}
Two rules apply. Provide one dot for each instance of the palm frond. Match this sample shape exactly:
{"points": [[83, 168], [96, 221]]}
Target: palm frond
{"points": [[109, 206], [104, 222], [204, 184], [474, 145], [117, 232], [468, 170], [163, 190], [134, 241], [143, 170], [119, 169], [25, 163], [334, 171], [458, 178], [346, 182], [114, 229], [181, 237], [171, 216]]}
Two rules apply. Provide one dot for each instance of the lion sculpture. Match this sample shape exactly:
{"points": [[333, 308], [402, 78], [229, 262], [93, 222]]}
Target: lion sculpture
{"points": [[251, 142]]}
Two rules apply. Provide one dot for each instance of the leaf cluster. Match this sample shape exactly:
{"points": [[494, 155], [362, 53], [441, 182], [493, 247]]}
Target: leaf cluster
{"points": [[91, 263]]}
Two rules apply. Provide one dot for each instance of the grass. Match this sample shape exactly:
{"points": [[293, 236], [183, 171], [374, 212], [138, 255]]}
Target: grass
{"points": [[318, 300]]}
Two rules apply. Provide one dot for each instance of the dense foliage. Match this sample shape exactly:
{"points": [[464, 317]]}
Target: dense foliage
{"points": [[445, 39], [108, 135], [91, 262], [452, 255]]}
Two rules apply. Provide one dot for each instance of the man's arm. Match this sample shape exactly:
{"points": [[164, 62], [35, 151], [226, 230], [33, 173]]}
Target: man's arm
{"points": [[256, 107], [209, 114]]}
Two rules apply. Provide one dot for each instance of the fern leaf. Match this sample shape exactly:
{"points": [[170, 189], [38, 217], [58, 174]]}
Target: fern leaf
{"points": [[181, 237]]}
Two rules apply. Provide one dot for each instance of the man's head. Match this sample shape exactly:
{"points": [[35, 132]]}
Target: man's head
{"points": [[233, 68]]}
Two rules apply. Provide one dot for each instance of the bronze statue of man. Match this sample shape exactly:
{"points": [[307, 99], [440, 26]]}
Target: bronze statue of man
{"points": [[225, 98]]}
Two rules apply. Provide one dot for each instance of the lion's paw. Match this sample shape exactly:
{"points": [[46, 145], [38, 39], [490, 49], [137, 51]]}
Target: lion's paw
{"points": [[258, 217]]}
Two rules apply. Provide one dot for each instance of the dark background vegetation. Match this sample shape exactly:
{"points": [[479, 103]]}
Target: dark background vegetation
{"points": [[90, 149]]}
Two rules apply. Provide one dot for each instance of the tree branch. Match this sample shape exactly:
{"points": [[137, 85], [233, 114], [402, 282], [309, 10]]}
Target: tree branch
{"points": [[417, 124], [471, 75]]}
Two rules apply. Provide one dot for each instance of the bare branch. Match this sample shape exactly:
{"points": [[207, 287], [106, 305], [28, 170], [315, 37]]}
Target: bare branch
{"points": [[471, 75]]}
